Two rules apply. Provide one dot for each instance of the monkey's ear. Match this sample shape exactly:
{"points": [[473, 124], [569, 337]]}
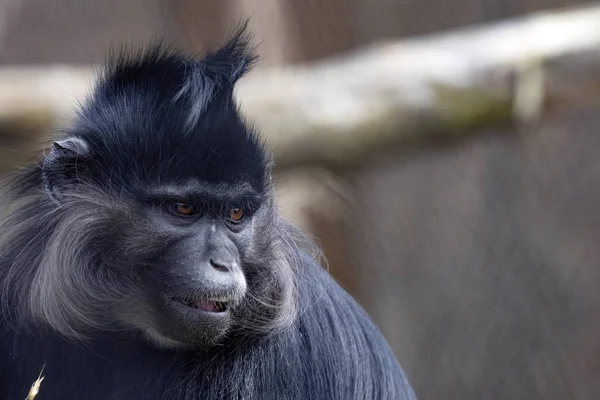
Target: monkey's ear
{"points": [[61, 167]]}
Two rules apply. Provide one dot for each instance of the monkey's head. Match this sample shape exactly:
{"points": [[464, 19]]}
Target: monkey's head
{"points": [[154, 213]]}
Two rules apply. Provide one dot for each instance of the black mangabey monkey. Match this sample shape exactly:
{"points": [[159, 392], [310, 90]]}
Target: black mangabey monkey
{"points": [[143, 257]]}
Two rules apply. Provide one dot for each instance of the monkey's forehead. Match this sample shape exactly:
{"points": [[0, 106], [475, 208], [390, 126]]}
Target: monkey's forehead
{"points": [[141, 136], [160, 147]]}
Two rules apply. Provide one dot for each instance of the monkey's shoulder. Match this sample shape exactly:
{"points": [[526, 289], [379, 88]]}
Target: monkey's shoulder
{"points": [[341, 347]]}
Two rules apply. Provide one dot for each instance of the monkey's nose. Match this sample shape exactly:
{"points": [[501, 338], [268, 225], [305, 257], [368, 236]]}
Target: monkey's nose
{"points": [[220, 265]]}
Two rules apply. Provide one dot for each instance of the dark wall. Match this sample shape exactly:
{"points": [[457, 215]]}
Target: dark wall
{"points": [[480, 261]]}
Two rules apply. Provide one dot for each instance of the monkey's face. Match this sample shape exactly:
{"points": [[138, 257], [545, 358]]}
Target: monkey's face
{"points": [[190, 246]]}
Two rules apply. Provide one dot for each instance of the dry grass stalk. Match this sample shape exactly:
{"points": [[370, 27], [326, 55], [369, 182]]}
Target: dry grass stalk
{"points": [[35, 388]]}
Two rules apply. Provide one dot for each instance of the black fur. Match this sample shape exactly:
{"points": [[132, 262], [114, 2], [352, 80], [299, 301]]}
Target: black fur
{"points": [[84, 248]]}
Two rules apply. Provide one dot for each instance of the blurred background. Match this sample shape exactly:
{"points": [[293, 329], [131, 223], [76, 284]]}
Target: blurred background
{"points": [[444, 154]]}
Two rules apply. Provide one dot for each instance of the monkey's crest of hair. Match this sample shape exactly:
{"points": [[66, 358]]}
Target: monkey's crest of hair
{"points": [[154, 118], [216, 71]]}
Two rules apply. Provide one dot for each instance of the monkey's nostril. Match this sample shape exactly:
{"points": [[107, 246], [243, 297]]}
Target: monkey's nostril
{"points": [[219, 266]]}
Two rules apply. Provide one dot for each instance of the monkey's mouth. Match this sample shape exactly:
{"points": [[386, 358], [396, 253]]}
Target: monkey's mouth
{"points": [[207, 305]]}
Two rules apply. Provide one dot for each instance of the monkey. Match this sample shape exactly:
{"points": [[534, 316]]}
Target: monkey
{"points": [[142, 256]]}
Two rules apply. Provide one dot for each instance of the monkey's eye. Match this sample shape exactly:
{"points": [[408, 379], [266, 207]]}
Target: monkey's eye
{"points": [[185, 209], [236, 214]]}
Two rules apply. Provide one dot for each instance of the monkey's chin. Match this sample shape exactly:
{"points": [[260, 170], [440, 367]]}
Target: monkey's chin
{"points": [[181, 326]]}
